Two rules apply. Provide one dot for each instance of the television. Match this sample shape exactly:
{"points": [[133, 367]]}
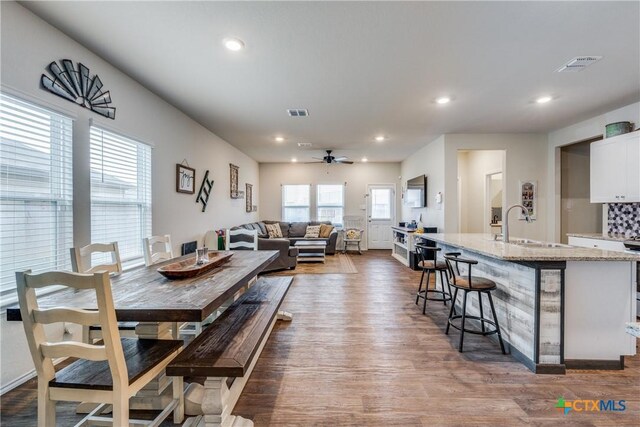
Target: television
{"points": [[416, 194]]}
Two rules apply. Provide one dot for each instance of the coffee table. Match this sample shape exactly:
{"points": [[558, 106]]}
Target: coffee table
{"points": [[311, 250]]}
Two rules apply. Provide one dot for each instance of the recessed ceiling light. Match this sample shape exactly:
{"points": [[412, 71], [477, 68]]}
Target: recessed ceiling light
{"points": [[443, 100], [279, 138], [380, 138], [544, 99], [293, 160], [365, 160], [233, 44]]}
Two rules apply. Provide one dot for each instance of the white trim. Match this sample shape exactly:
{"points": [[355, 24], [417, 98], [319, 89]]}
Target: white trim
{"points": [[42, 103], [23, 378]]}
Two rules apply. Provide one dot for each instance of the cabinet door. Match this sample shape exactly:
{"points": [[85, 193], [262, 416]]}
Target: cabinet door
{"points": [[608, 170], [633, 168]]}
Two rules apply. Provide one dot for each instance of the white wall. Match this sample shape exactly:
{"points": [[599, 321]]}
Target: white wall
{"points": [[357, 176], [429, 160], [525, 159], [577, 132], [28, 45]]}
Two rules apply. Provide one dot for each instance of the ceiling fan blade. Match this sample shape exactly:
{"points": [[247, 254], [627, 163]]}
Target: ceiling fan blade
{"points": [[318, 158], [341, 158], [346, 162], [308, 163]]}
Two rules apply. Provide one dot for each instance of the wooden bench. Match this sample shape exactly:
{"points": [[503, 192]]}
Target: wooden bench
{"points": [[227, 350]]}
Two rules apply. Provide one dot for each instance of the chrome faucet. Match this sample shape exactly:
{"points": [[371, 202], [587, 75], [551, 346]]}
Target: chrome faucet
{"points": [[505, 235]]}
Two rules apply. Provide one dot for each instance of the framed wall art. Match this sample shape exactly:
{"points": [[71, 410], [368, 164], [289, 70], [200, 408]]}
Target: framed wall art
{"points": [[233, 181], [249, 198], [528, 196], [185, 179]]}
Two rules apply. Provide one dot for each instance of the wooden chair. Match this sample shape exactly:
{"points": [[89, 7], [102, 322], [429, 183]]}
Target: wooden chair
{"points": [[81, 258], [353, 231], [81, 263], [151, 257], [241, 244], [103, 374]]}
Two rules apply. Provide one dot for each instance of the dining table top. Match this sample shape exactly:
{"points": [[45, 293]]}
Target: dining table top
{"points": [[144, 295]]}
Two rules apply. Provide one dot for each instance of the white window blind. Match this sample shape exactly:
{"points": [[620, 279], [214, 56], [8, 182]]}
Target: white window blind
{"points": [[120, 192], [295, 203], [330, 203], [36, 190]]}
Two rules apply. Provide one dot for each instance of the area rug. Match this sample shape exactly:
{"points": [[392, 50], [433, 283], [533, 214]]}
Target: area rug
{"points": [[333, 264]]}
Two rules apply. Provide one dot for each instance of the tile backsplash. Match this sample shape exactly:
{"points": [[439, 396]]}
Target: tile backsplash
{"points": [[623, 219]]}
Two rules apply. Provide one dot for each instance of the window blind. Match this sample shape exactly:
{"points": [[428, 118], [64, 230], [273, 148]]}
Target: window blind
{"points": [[36, 190], [120, 192], [330, 203], [295, 203]]}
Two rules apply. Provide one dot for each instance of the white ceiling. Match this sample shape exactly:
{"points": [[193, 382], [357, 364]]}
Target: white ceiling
{"points": [[364, 68]]}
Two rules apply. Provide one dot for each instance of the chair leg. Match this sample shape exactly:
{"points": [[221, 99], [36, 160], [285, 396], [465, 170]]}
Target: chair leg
{"points": [[426, 292], [481, 314], [120, 411], [495, 319], [444, 299], [178, 393], [420, 288], [453, 299], [46, 406], [464, 315], [359, 251], [452, 312]]}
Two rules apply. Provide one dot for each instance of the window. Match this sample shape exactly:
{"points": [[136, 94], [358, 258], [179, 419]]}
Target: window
{"points": [[295, 203], [381, 199], [330, 203], [36, 190], [120, 192]]}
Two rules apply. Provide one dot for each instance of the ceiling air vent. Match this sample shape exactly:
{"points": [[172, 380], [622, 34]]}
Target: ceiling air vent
{"points": [[298, 112], [578, 64], [304, 144]]}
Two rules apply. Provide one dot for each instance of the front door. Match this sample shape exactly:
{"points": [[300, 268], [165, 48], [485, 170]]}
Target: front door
{"points": [[380, 215]]}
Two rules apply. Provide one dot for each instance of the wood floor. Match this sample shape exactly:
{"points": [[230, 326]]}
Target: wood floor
{"points": [[360, 352]]}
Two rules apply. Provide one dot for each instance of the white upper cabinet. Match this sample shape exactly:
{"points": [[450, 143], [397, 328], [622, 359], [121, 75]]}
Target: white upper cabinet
{"points": [[615, 169]]}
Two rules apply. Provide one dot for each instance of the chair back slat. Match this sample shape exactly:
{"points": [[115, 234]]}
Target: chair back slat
{"points": [[72, 315], [153, 256], [454, 258], [73, 349], [427, 253], [242, 244], [34, 318], [81, 258]]}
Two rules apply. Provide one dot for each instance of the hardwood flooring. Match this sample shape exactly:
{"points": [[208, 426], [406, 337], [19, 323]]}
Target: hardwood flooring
{"points": [[360, 352]]}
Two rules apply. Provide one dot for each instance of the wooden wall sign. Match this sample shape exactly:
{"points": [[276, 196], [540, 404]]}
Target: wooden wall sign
{"points": [[205, 191], [78, 86], [185, 179], [249, 198], [233, 181]]}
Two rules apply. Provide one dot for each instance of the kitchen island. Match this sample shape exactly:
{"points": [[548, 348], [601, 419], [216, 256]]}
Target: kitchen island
{"points": [[558, 306]]}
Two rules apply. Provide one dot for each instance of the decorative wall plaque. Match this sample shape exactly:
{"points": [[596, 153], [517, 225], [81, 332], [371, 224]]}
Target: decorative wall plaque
{"points": [[529, 197], [185, 179], [233, 180], [205, 191], [249, 198], [78, 86]]}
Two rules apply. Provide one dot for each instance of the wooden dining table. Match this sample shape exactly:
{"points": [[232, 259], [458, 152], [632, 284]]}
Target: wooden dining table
{"points": [[144, 295]]}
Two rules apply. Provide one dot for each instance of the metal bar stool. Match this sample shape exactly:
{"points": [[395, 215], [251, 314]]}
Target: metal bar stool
{"points": [[430, 264], [468, 284]]}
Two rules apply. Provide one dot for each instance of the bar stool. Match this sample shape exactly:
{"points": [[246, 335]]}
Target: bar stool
{"points": [[468, 284], [429, 265]]}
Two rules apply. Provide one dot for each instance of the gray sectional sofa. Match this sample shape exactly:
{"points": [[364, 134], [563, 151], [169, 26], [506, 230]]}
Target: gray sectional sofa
{"points": [[292, 232]]}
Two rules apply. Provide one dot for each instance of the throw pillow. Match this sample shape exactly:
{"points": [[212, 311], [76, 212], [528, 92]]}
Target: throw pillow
{"points": [[274, 231], [325, 230], [313, 231], [353, 234]]}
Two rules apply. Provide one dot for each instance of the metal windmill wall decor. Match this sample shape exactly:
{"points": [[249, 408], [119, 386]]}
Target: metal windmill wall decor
{"points": [[78, 86]]}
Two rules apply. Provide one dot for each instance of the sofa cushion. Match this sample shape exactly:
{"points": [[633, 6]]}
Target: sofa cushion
{"points": [[263, 228], [274, 231], [297, 229], [325, 230], [313, 231]]}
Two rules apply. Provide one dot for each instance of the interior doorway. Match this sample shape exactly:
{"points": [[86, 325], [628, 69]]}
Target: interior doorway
{"points": [[480, 190], [577, 213]]}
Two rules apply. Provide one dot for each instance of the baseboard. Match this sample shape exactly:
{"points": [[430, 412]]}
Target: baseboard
{"points": [[23, 379], [605, 365]]}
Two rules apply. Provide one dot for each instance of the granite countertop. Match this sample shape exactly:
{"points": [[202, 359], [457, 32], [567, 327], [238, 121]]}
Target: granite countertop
{"points": [[600, 236], [485, 245]]}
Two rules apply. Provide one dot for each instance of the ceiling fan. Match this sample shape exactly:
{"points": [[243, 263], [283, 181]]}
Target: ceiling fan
{"points": [[329, 159]]}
